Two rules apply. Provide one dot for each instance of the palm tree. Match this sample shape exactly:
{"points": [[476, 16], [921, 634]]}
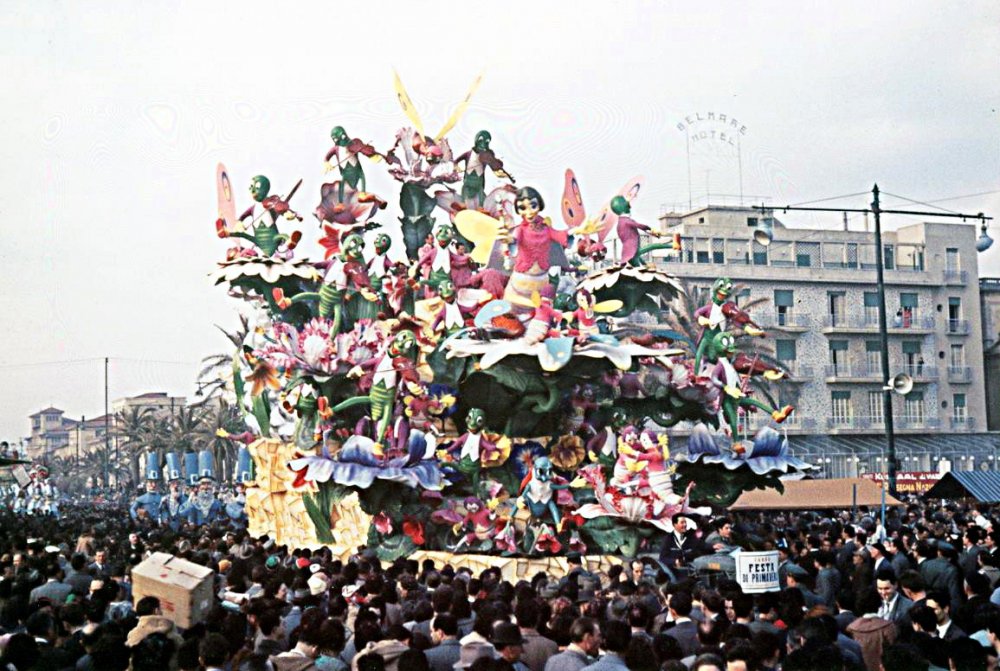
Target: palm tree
{"points": [[136, 427], [221, 417], [184, 428], [215, 370]]}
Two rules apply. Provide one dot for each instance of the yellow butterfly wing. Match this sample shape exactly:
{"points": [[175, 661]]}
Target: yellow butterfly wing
{"points": [[613, 305], [407, 103], [481, 230], [460, 110]]}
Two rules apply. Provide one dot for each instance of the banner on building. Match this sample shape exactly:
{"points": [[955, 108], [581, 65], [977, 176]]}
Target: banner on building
{"points": [[908, 482]]}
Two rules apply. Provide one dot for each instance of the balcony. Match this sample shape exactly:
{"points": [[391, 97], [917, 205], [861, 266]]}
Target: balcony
{"points": [[868, 323], [959, 327], [857, 372], [960, 374], [956, 277], [798, 373], [790, 320], [921, 372], [846, 423], [963, 423], [917, 422]]}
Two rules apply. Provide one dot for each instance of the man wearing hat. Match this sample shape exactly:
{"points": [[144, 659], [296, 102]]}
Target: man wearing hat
{"points": [[203, 507], [236, 506], [170, 507], [797, 578], [147, 506], [509, 644]]}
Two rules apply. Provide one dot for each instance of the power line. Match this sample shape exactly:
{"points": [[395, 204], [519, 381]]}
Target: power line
{"points": [[68, 362], [919, 202], [824, 200]]}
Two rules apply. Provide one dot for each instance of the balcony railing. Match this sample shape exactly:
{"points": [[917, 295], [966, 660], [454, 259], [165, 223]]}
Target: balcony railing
{"points": [[789, 319], [857, 370], [917, 422], [959, 374], [956, 276], [963, 423], [959, 326], [798, 372], [868, 321], [921, 371]]}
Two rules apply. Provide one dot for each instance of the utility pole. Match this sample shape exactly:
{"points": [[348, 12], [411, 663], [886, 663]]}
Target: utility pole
{"points": [[877, 210], [883, 332], [107, 430]]}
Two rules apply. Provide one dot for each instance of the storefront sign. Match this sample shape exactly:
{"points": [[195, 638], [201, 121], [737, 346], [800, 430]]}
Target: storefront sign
{"points": [[908, 482]]}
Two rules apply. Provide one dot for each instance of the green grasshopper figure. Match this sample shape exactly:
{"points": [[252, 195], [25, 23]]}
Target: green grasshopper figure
{"points": [[721, 351], [265, 233], [345, 273], [396, 365]]}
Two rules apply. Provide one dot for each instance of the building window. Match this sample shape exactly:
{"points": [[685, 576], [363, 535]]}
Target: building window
{"points": [[873, 356], [718, 251], [913, 408], [784, 351], [752, 222], [957, 359], [840, 402], [958, 410], [837, 308], [876, 404], [913, 360], [784, 299], [907, 312], [759, 254], [838, 357], [888, 257], [951, 260], [871, 308], [954, 314]]}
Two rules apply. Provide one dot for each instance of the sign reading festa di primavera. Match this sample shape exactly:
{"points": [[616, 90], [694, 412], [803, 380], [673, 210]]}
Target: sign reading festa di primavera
{"points": [[757, 571]]}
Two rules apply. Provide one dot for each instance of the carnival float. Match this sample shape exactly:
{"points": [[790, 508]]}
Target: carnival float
{"points": [[465, 374]]}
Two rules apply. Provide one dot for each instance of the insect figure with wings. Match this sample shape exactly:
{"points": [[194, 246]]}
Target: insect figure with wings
{"points": [[593, 232], [420, 162]]}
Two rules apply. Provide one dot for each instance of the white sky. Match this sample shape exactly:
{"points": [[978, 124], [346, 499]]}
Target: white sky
{"points": [[117, 112]]}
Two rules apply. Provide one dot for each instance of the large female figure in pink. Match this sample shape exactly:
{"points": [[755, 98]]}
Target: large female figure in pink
{"points": [[536, 243]]}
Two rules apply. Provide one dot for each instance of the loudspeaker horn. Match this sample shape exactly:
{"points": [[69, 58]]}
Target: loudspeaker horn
{"points": [[902, 384]]}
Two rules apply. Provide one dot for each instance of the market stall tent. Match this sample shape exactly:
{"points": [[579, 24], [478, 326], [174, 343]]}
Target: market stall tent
{"points": [[816, 494], [983, 486]]}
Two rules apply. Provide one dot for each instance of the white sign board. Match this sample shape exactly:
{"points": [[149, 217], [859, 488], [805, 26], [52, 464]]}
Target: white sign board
{"points": [[21, 476], [757, 571]]}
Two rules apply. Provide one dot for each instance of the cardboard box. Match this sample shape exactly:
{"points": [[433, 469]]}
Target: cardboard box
{"points": [[185, 590]]}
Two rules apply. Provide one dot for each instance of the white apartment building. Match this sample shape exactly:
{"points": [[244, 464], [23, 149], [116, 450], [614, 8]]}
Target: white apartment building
{"points": [[821, 316]]}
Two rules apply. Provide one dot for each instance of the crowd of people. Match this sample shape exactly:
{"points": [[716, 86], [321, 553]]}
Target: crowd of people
{"points": [[918, 592]]}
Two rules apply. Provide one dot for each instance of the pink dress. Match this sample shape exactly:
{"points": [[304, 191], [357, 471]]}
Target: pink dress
{"points": [[534, 240]]}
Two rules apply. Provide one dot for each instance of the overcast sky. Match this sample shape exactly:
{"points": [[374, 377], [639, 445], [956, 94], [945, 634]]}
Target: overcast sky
{"points": [[117, 112]]}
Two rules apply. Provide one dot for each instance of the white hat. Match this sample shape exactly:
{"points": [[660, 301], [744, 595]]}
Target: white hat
{"points": [[317, 585]]}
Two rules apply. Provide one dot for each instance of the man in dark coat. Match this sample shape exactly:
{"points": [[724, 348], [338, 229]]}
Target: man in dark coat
{"points": [[681, 546]]}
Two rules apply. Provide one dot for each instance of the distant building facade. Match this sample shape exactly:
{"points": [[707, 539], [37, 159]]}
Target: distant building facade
{"points": [[820, 311]]}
